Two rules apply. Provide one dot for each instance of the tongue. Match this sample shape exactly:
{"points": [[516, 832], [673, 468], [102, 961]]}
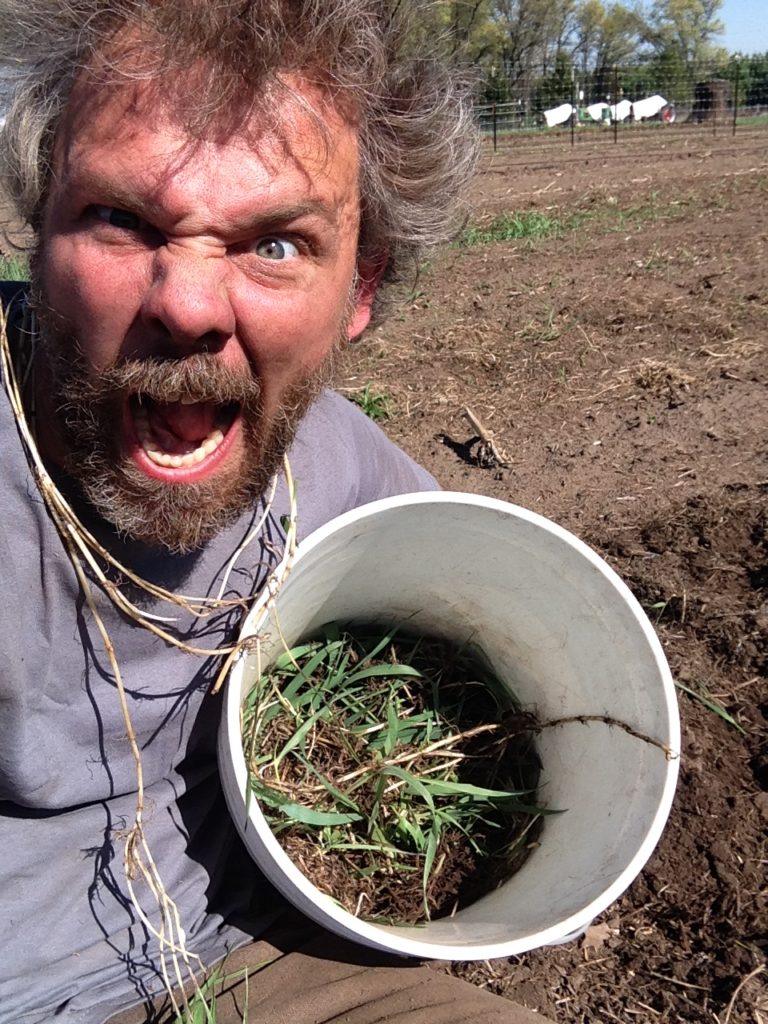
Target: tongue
{"points": [[191, 423]]}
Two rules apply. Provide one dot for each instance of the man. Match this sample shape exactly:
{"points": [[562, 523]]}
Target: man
{"points": [[216, 191]]}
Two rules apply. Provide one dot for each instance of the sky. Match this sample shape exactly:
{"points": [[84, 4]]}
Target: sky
{"points": [[746, 25]]}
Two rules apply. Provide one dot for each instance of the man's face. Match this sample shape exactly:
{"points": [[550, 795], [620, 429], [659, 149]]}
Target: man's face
{"points": [[192, 291]]}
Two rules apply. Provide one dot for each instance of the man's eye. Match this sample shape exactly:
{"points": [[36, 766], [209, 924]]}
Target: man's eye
{"points": [[118, 218], [276, 249]]}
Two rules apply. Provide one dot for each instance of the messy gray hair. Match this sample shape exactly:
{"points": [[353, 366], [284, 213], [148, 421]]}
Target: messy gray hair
{"points": [[417, 139]]}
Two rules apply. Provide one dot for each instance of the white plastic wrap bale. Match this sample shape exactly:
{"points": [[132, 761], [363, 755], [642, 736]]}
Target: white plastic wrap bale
{"points": [[649, 107], [558, 115]]}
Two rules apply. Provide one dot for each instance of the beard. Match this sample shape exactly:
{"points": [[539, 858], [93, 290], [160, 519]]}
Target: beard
{"points": [[180, 517]]}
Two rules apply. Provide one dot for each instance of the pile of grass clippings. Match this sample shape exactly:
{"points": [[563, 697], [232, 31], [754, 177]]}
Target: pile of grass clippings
{"points": [[396, 771]]}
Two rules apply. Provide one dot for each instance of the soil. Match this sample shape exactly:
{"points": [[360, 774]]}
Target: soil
{"points": [[621, 368]]}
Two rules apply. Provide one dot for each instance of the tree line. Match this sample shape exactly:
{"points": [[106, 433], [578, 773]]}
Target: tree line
{"points": [[517, 45]]}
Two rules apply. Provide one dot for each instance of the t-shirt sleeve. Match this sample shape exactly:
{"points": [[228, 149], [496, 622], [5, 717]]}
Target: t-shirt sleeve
{"points": [[340, 460]]}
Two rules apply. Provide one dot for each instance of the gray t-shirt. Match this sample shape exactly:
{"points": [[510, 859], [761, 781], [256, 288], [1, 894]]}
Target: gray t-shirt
{"points": [[70, 946]]}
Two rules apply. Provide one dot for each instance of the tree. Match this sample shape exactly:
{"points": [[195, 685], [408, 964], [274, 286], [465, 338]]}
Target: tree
{"points": [[467, 24], [605, 35], [681, 36], [557, 87], [532, 33], [751, 74], [531, 49], [685, 30]]}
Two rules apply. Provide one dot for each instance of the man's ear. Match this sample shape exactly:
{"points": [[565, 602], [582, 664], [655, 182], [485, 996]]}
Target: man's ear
{"points": [[369, 275]]}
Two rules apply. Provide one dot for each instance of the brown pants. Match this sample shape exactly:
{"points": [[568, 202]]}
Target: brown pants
{"points": [[325, 980]]}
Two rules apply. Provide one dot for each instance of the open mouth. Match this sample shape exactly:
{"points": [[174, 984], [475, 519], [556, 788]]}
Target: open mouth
{"points": [[182, 434]]}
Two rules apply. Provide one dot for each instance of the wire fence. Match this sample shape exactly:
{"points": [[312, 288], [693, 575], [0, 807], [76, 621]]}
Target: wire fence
{"points": [[611, 100]]}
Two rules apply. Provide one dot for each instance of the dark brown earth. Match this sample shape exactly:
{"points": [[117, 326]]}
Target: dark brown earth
{"points": [[622, 368]]}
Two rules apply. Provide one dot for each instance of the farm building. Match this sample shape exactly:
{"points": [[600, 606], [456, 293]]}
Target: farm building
{"points": [[712, 100]]}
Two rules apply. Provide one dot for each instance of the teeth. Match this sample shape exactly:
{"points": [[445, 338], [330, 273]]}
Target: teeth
{"points": [[160, 458], [212, 442], [188, 401]]}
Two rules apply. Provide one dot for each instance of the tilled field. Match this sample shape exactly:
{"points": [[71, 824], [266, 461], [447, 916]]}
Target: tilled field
{"points": [[621, 368]]}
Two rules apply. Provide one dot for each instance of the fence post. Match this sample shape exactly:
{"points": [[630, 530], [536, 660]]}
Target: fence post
{"points": [[736, 95], [574, 114], [615, 104], [493, 115], [713, 99]]}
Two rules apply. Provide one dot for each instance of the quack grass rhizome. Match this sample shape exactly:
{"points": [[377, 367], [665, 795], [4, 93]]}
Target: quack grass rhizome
{"points": [[397, 772]]}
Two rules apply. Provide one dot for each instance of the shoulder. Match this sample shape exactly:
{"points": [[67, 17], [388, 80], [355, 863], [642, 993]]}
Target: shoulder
{"points": [[338, 433], [341, 460]]}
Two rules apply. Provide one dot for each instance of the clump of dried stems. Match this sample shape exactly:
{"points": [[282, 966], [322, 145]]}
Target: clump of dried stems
{"points": [[179, 966]]}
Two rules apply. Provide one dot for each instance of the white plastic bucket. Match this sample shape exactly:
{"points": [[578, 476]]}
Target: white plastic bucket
{"points": [[569, 638]]}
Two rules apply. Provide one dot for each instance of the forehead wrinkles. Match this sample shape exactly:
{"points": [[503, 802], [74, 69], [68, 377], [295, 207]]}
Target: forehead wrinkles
{"points": [[301, 126]]}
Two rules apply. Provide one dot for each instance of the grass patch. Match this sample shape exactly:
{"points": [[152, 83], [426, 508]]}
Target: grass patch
{"points": [[509, 227], [14, 267], [748, 121], [536, 226], [397, 772], [375, 404], [201, 1008]]}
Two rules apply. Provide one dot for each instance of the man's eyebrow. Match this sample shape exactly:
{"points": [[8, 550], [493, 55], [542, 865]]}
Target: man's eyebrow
{"points": [[136, 199], [284, 214], [111, 192]]}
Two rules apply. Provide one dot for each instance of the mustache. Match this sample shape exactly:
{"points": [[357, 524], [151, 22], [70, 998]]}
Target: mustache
{"points": [[200, 377]]}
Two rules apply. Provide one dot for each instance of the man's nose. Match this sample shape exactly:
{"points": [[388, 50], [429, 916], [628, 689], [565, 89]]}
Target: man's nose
{"points": [[188, 300]]}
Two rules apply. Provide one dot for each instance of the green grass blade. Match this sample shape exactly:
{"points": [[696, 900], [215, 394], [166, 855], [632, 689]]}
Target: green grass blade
{"points": [[306, 673], [712, 705], [414, 784], [308, 816], [391, 736], [380, 644], [286, 661], [392, 671], [343, 798], [297, 738], [409, 831], [433, 840], [440, 787]]}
